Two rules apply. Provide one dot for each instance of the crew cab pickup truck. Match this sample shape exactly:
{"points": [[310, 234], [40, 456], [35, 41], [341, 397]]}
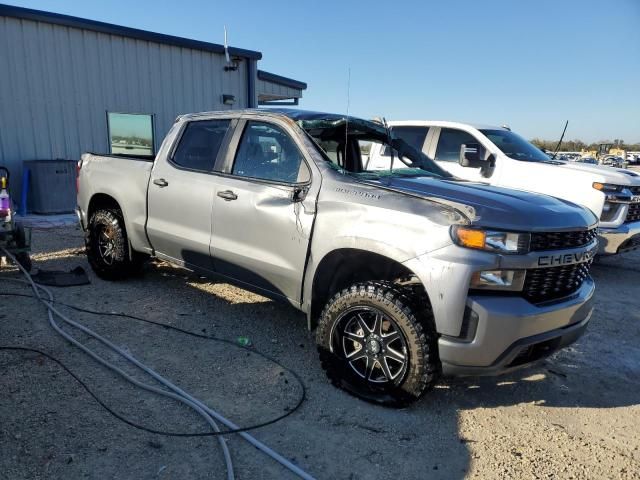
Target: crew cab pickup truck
{"points": [[500, 157], [406, 273]]}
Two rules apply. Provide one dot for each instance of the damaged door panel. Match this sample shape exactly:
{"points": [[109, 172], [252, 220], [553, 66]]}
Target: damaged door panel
{"points": [[267, 186]]}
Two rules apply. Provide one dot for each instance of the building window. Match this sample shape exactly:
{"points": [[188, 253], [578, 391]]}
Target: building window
{"points": [[131, 134]]}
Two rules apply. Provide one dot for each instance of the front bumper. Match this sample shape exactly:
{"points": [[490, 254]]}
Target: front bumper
{"points": [[621, 239], [513, 333]]}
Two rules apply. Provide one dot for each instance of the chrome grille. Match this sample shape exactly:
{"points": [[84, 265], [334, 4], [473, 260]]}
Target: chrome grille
{"points": [[544, 284], [561, 240], [633, 215]]}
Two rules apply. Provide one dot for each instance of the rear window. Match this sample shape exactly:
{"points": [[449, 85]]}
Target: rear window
{"points": [[414, 136], [200, 144]]}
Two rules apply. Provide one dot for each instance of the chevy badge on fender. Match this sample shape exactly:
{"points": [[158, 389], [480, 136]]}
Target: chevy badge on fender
{"points": [[566, 258]]}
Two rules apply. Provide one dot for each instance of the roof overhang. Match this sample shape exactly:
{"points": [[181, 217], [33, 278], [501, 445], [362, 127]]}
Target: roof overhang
{"points": [[278, 90], [280, 80], [111, 29]]}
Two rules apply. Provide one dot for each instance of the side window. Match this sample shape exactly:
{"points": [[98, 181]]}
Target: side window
{"points": [[449, 144], [331, 148], [414, 136], [200, 144], [267, 152]]}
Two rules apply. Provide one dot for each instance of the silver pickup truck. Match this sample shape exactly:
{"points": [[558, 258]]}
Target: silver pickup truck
{"points": [[406, 273]]}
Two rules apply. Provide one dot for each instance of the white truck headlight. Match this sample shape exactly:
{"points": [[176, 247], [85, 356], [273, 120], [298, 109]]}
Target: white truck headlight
{"points": [[491, 240], [512, 280], [607, 187]]}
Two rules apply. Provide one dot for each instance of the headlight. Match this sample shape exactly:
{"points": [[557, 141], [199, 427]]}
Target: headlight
{"points": [[491, 240], [607, 187], [512, 280]]}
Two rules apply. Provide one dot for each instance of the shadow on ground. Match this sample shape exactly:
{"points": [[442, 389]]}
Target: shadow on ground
{"points": [[332, 436]]}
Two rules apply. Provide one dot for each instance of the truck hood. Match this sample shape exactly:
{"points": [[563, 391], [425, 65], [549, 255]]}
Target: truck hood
{"points": [[496, 207], [617, 176]]}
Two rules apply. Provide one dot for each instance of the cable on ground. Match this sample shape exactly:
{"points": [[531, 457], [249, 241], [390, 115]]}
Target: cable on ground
{"points": [[177, 393]]}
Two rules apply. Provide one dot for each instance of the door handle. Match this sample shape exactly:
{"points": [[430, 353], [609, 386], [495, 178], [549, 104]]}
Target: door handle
{"points": [[161, 182], [228, 195]]}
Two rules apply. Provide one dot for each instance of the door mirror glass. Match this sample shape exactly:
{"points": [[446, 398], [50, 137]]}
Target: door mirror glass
{"points": [[471, 155]]}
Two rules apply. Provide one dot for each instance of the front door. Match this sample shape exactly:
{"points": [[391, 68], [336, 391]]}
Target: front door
{"points": [[447, 153], [263, 211], [181, 193]]}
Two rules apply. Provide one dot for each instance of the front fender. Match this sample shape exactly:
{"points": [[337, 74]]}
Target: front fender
{"points": [[446, 276]]}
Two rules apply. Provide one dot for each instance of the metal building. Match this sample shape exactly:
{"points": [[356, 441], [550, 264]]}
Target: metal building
{"points": [[70, 85]]}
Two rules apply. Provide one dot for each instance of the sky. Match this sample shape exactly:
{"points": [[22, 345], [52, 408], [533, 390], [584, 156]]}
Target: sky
{"points": [[529, 64]]}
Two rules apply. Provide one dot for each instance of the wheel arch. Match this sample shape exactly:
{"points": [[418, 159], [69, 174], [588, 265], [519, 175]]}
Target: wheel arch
{"points": [[102, 200], [343, 267]]}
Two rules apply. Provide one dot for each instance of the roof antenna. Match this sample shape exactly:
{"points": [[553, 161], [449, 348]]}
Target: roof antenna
{"points": [[346, 125], [386, 127], [229, 66], [560, 141]]}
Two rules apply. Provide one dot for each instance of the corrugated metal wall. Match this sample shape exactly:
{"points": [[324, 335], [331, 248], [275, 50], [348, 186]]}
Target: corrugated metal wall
{"points": [[268, 89], [57, 83]]}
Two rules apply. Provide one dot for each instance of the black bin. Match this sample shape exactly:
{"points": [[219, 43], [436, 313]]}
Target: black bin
{"points": [[52, 186]]}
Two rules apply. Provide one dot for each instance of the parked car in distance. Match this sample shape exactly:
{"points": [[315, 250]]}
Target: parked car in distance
{"points": [[613, 161], [500, 157], [588, 160], [406, 273]]}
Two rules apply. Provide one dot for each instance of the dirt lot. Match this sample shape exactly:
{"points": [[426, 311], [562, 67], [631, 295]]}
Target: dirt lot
{"points": [[575, 416]]}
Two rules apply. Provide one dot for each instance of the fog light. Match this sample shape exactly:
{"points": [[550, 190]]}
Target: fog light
{"points": [[609, 212], [498, 280], [469, 325]]}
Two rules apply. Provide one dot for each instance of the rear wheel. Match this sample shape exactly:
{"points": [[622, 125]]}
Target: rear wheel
{"points": [[108, 246], [376, 342]]}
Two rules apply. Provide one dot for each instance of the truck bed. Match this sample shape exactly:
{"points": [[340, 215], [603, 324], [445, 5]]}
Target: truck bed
{"points": [[122, 177]]}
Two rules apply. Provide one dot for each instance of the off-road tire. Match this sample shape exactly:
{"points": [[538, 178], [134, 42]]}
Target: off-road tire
{"points": [[413, 318], [123, 263]]}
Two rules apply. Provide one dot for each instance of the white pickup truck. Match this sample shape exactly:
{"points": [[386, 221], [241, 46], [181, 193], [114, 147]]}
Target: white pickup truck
{"points": [[500, 157]]}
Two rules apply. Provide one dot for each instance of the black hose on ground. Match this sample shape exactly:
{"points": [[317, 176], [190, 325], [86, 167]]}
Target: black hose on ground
{"points": [[288, 412]]}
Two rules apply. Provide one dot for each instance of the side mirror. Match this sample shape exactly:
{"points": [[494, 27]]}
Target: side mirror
{"points": [[472, 155], [299, 193]]}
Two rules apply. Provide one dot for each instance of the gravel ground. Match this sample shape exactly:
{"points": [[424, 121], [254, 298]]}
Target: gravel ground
{"points": [[574, 416]]}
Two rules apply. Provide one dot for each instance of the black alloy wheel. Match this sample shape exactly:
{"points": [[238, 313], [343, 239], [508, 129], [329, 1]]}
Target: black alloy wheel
{"points": [[372, 344]]}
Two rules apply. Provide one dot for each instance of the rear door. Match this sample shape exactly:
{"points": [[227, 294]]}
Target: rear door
{"points": [[181, 193], [264, 207], [380, 156]]}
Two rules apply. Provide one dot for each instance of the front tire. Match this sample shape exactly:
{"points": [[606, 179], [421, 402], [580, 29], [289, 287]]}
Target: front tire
{"points": [[376, 342], [108, 246]]}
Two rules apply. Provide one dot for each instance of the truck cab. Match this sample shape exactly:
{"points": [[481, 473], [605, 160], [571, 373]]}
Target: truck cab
{"points": [[500, 157]]}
